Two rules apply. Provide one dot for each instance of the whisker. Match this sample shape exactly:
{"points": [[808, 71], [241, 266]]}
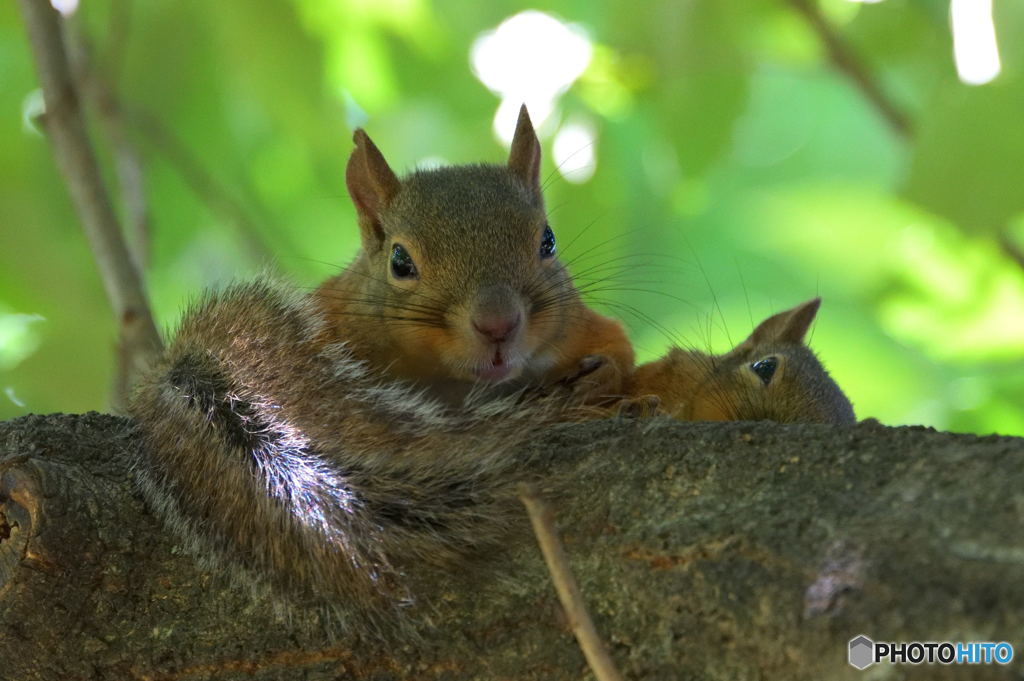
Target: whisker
{"points": [[565, 249], [390, 304], [642, 316]]}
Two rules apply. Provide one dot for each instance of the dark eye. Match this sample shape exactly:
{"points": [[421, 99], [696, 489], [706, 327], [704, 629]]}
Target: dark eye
{"points": [[547, 242], [402, 265], [765, 368]]}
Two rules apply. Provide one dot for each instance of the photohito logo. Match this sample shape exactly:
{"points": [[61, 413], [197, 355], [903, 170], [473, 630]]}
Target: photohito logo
{"points": [[864, 652]]}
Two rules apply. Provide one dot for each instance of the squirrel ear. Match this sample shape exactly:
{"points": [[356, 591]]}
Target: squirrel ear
{"points": [[787, 327], [524, 157], [371, 184]]}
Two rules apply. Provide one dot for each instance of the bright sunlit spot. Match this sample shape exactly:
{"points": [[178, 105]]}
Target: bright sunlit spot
{"points": [[32, 107], [431, 162], [65, 7], [867, 2], [529, 58], [304, 482], [9, 392], [18, 338], [573, 150], [974, 41]]}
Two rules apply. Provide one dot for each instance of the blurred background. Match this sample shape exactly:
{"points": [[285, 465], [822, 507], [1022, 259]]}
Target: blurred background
{"points": [[708, 163]]}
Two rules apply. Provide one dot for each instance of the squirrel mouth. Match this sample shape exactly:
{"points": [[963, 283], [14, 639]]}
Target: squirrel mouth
{"points": [[497, 369]]}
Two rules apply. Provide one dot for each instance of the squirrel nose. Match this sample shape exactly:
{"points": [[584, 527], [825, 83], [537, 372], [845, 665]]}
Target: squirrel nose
{"points": [[496, 328]]}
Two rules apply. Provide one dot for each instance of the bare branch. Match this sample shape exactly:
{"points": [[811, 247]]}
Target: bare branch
{"points": [[1011, 248], [202, 183], [542, 519], [849, 63], [100, 96], [845, 60], [118, 32], [77, 162]]}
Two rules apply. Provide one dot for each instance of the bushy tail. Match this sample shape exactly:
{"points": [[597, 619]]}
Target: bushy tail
{"points": [[274, 452]]}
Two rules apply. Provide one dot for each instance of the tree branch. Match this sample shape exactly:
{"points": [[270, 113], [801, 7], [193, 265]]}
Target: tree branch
{"points": [[99, 92], [77, 162], [202, 183], [846, 61], [849, 63], [708, 551], [1011, 248]]}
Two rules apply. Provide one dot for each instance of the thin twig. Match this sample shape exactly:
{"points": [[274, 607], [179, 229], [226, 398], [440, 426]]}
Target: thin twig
{"points": [[116, 43], [1011, 248], [201, 182], [542, 518], [847, 61], [77, 162], [127, 163]]}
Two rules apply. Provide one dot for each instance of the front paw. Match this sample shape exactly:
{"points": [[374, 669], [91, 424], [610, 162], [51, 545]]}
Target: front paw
{"points": [[597, 380]]}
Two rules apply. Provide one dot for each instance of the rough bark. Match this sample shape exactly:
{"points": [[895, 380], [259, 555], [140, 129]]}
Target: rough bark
{"points": [[730, 551]]}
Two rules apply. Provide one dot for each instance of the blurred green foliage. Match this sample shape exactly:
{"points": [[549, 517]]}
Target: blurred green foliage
{"points": [[738, 172]]}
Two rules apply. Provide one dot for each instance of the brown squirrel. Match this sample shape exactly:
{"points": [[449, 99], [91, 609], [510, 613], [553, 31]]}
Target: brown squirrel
{"points": [[772, 375], [306, 442], [272, 452], [457, 282]]}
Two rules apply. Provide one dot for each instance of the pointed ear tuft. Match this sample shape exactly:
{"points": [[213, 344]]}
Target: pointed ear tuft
{"points": [[787, 327], [524, 157], [371, 184]]}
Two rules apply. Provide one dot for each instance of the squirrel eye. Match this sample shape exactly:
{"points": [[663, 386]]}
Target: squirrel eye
{"points": [[402, 265], [547, 242], [765, 368]]}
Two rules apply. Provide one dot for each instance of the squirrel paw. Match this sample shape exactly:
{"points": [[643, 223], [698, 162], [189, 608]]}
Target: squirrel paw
{"points": [[597, 379], [643, 407]]}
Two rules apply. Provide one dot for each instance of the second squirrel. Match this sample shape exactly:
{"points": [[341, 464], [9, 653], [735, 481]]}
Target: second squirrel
{"points": [[458, 282], [771, 375]]}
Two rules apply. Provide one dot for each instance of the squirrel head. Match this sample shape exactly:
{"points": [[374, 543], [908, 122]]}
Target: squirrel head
{"points": [[462, 258], [771, 375]]}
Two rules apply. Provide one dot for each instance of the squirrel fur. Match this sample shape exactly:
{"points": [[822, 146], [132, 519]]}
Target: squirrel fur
{"points": [[457, 282], [275, 453], [313, 443], [772, 375]]}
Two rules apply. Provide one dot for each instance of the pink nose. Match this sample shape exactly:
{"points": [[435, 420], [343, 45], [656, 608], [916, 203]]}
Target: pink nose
{"points": [[496, 329]]}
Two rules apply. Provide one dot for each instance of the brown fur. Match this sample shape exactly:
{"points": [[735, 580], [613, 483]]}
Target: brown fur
{"points": [[301, 442], [272, 451], [474, 233], [694, 386]]}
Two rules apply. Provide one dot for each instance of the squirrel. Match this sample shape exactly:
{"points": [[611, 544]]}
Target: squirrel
{"points": [[772, 375], [307, 442], [458, 284], [274, 453]]}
